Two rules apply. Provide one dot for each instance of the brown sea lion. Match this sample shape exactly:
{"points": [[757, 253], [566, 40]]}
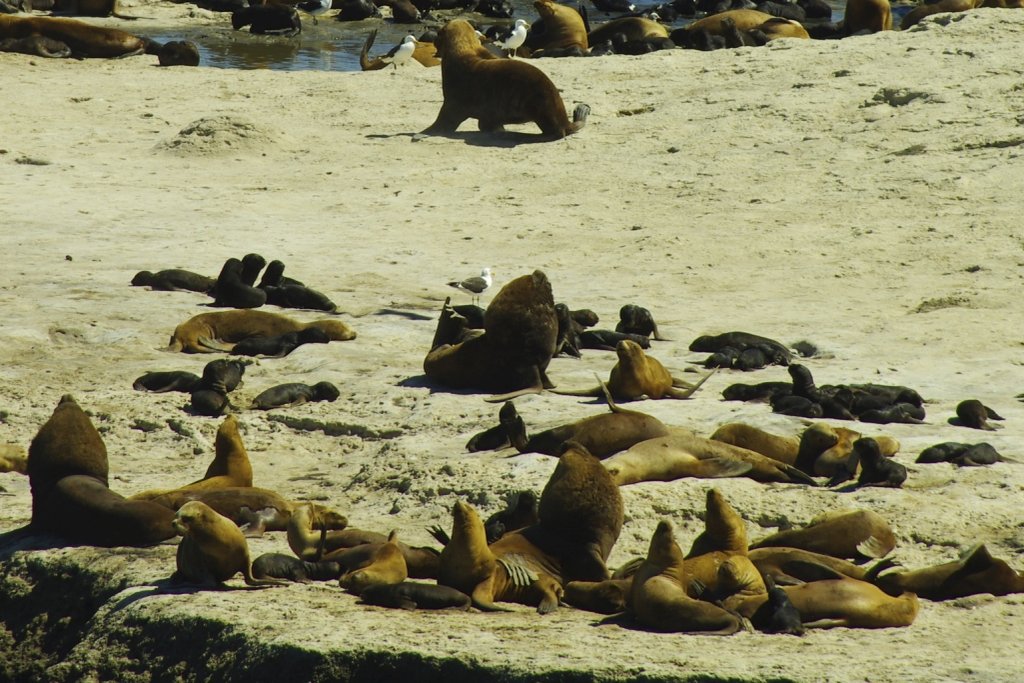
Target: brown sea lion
{"points": [[636, 375], [602, 435], [468, 565], [425, 54], [684, 454], [658, 599], [781, 448], [386, 566], [925, 9], [866, 16], [495, 91], [218, 331], [744, 19], [976, 571], [792, 566], [84, 40], [212, 549], [411, 595], [840, 603], [634, 28], [850, 534], [777, 27], [512, 355], [604, 597], [724, 530], [826, 451], [564, 29], [255, 510], [13, 459], [281, 566]]}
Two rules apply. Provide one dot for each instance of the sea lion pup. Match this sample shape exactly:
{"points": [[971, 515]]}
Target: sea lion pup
{"points": [[232, 291], [633, 28], [602, 435], [424, 53], [274, 276], [875, 469], [512, 354], [254, 510], [67, 470], [850, 534], [13, 459], [565, 32], [270, 19], [411, 595], [281, 566], [607, 340], [975, 414], [635, 319], [163, 381], [636, 375], [976, 571], [658, 600], [386, 566], [280, 345], [776, 352], [174, 279], [838, 602], [866, 16], [212, 549], [468, 565], [298, 296], [793, 566], [781, 448], [962, 454], [779, 615], [84, 40], [520, 513], [36, 45], [476, 85], [684, 454], [220, 330], [827, 451], [294, 394], [178, 53]]}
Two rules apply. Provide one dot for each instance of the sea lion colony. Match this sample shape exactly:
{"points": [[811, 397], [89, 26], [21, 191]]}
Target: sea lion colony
{"points": [[550, 550]]}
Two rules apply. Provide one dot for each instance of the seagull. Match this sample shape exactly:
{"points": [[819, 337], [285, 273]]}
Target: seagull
{"points": [[402, 53], [314, 7], [514, 39], [474, 286]]}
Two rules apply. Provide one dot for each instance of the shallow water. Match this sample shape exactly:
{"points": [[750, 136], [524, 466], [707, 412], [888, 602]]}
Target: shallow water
{"points": [[333, 45]]}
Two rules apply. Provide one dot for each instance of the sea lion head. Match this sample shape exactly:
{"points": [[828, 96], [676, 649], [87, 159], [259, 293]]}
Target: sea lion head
{"points": [[629, 352], [335, 329], [663, 550], [458, 37], [724, 525], [191, 516]]}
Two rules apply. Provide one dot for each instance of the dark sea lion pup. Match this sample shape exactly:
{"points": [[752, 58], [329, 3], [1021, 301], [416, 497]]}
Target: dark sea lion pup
{"points": [[635, 319], [163, 381], [295, 393], [477, 85], [174, 279], [281, 566], [976, 415], [412, 595], [281, 345]]}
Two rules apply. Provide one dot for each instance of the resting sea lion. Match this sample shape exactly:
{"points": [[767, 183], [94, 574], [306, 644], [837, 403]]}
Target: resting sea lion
{"points": [[178, 53], [975, 414], [274, 276], [633, 28], [792, 566], [12, 459], [386, 566], [851, 534], [635, 319], [159, 382], [295, 393], [636, 375], [975, 572], [744, 20], [411, 595], [84, 40], [866, 16], [212, 549], [281, 566], [232, 291], [684, 454], [928, 8], [875, 469], [174, 279], [36, 45], [495, 91], [607, 340], [299, 296], [604, 597], [280, 345], [781, 448], [220, 330], [777, 352], [564, 30], [962, 454]]}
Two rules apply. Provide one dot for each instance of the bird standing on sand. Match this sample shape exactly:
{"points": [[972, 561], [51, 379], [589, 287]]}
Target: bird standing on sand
{"points": [[514, 39], [314, 8], [474, 286], [402, 53]]}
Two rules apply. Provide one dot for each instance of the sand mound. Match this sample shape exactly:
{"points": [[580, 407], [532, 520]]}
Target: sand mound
{"points": [[216, 135]]}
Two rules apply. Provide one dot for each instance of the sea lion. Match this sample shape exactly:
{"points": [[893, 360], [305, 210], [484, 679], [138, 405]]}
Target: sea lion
{"points": [[299, 296], [635, 319], [792, 566], [386, 566], [13, 459], [777, 352], [232, 291], [411, 595], [173, 279], [779, 615], [607, 340], [281, 566], [866, 16], [208, 402], [975, 414], [777, 27], [762, 391], [568, 340], [604, 597], [281, 345], [212, 548], [636, 375], [512, 354], [724, 530], [495, 91], [781, 448], [424, 53], [925, 9], [274, 276], [271, 19], [163, 381], [962, 454], [658, 599], [468, 565], [67, 444], [220, 330], [850, 534], [744, 20], [684, 454], [255, 510], [633, 28], [875, 469], [293, 394], [976, 571], [84, 40], [178, 53], [520, 513], [40, 46], [224, 375], [602, 435], [564, 31]]}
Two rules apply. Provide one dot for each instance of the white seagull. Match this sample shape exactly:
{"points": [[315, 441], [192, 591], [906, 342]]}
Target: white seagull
{"points": [[314, 7], [402, 53], [474, 286], [515, 39]]}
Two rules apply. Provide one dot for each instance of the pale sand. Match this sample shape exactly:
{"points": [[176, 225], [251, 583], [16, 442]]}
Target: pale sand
{"points": [[865, 195]]}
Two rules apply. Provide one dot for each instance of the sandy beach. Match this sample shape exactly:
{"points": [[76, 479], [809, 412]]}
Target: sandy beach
{"points": [[863, 195]]}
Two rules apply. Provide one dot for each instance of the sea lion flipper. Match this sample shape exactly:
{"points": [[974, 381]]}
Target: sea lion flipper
{"points": [[500, 398], [482, 598], [208, 345], [440, 535], [689, 389], [720, 468], [595, 391], [873, 547], [807, 571]]}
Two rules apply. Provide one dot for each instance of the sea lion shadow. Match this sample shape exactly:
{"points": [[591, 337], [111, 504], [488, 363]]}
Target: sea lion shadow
{"points": [[168, 586], [424, 382], [24, 538], [505, 139]]}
